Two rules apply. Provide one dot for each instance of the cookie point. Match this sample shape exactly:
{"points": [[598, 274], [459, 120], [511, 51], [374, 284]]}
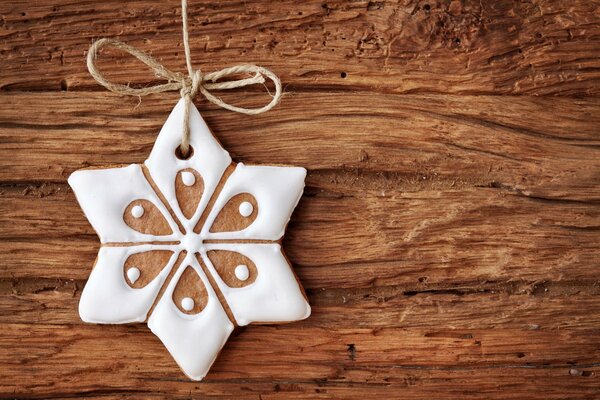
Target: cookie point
{"points": [[72, 178], [308, 311]]}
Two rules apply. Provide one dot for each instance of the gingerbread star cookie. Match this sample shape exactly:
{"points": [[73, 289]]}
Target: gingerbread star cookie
{"points": [[190, 245]]}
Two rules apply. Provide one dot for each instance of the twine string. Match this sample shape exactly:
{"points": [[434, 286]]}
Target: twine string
{"points": [[188, 86]]}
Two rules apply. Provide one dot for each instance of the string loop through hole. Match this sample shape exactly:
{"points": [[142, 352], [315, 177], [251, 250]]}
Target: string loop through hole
{"points": [[184, 156]]}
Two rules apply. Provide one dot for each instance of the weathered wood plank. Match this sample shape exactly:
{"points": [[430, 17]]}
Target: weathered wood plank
{"points": [[448, 236], [115, 358], [363, 239], [550, 307], [497, 383], [540, 147], [541, 47]]}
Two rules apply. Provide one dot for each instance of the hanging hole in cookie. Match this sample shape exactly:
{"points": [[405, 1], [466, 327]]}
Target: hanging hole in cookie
{"points": [[180, 154]]}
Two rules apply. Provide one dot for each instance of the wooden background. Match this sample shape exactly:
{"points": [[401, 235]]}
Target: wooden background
{"points": [[449, 235]]}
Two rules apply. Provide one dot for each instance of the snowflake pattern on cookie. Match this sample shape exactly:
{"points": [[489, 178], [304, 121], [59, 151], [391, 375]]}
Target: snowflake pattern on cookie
{"points": [[190, 245]]}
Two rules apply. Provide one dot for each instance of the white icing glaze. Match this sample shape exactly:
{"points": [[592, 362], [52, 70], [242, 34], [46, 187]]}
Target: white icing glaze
{"points": [[193, 340], [242, 272], [187, 303], [137, 211], [274, 296], [188, 178], [104, 194], [192, 242], [246, 209], [277, 191], [133, 274], [108, 299], [209, 159]]}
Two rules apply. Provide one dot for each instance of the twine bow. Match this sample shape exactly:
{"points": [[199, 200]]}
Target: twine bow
{"points": [[190, 85]]}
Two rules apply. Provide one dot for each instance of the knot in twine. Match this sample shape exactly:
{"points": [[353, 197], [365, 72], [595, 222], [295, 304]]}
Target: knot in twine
{"points": [[190, 85]]}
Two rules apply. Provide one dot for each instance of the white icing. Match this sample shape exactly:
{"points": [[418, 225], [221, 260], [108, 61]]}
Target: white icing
{"points": [[137, 211], [187, 303], [277, 191], [246, 209], [275, 295], [209, 159], [188, 178], [193, 340], [192, 242], [133, 274], [104, 195], [242, 272], [108, 299]]}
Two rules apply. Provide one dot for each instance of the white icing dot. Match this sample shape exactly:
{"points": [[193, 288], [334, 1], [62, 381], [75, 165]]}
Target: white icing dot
{"points": [[133, 274], [188, 178], [137, 211], [246, 209], [242, 272], [187, 303]]}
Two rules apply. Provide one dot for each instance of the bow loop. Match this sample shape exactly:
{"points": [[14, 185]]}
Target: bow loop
{"points": [[190, 85], [187, 86]]}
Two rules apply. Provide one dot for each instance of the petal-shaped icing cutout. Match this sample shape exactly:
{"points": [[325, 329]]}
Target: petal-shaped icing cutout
{"points": [[237, 214], [274, 296], [108, 297], [190, 295], [142, 268], [104, 194], [235, 269], [144, 217], [194, 341], [209, 159], [276, 191], [189, 187]]}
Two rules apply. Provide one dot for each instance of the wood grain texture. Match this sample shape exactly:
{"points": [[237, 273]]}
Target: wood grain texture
{"points": [[469, 46], [449, 233]]}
